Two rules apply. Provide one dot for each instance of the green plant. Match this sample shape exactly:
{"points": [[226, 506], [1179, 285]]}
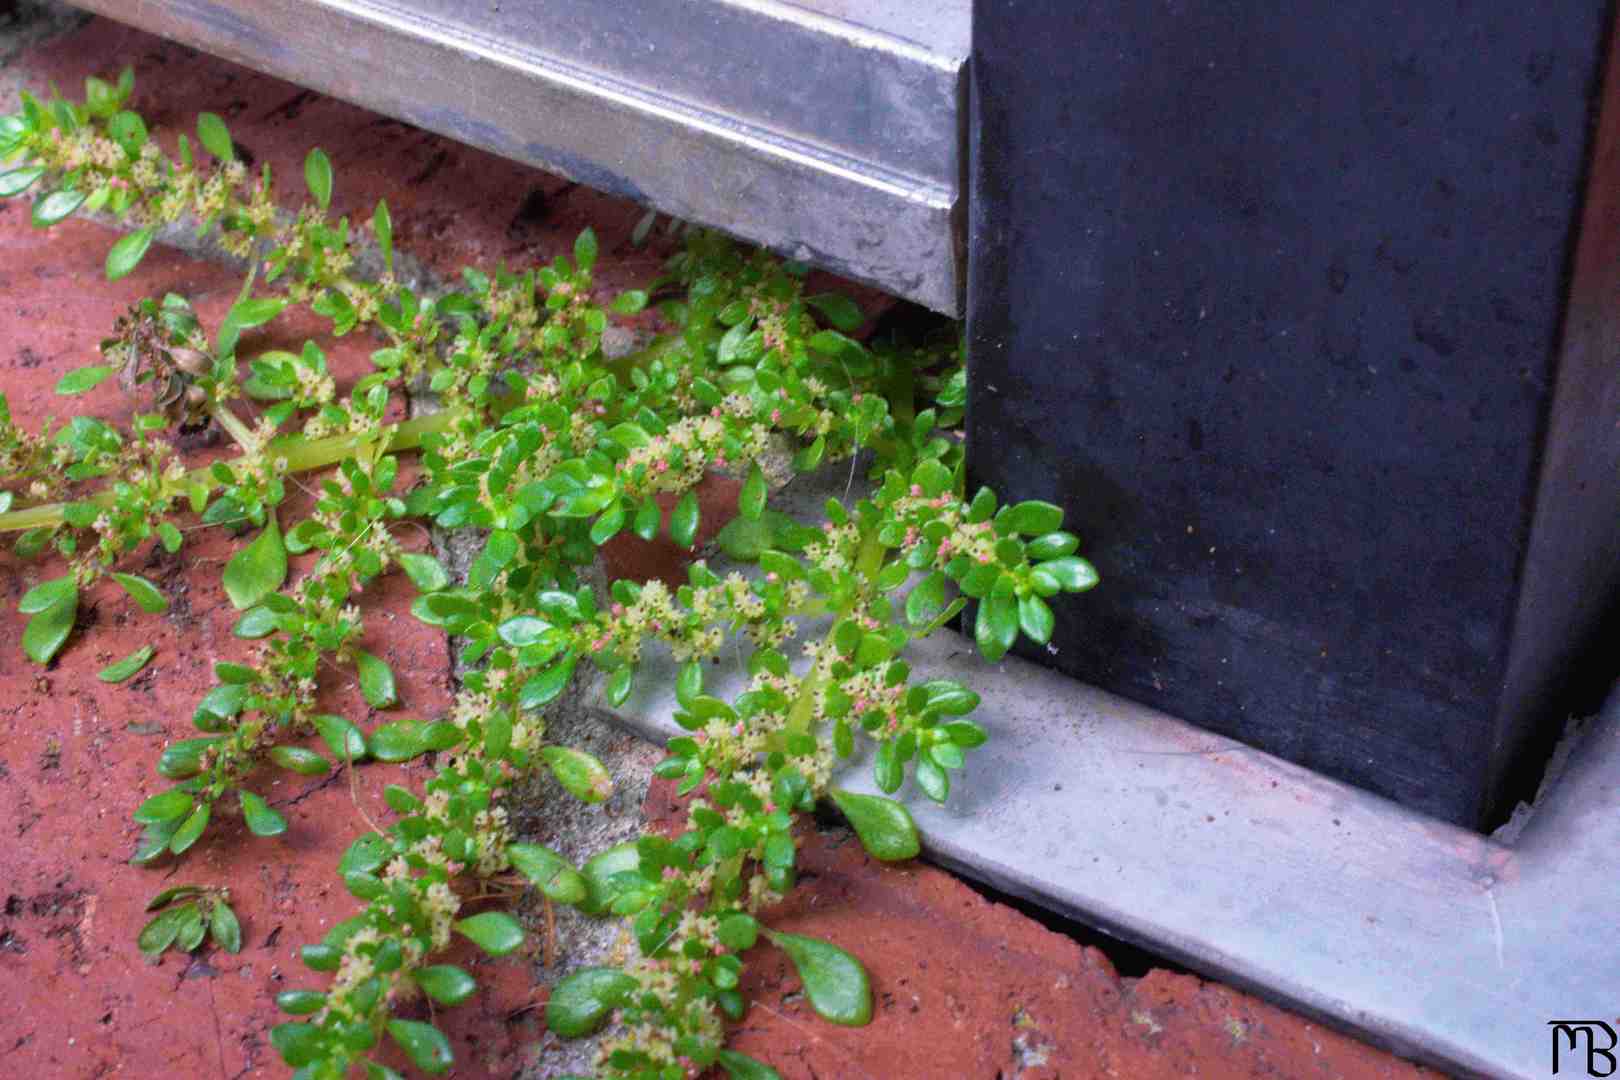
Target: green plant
{"points": [[548, 449]]}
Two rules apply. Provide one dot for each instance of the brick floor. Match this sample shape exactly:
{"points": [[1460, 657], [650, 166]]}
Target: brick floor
{"points": [[965, 987]]}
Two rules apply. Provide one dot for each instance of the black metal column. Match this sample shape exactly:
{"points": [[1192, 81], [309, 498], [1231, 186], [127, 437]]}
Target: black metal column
{"points": [[1269, 297]]}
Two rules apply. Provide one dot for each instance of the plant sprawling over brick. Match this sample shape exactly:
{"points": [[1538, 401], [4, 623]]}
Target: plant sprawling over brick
{"points": [[548, 448]]}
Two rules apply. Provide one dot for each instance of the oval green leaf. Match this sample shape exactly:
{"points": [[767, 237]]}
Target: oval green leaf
{"points": [[834, 981], [583, 775], [82, 379], [751, 501], [261, 819], [885, 827], [215, 136], [582, 1002], [376, 680], [496, 932], [56, 206], [552, 874], [683, 522], [318, 175], [742, 1067], [143, 592], [425, 1044], [258, 569], [224, 927], [189, 831], [129, 665], [169, 806], [127, 254], [445, 983]]}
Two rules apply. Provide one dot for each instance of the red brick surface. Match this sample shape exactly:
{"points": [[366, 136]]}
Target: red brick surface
{"points": [[965, 988]]}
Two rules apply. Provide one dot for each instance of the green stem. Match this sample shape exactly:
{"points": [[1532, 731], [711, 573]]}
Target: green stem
{"points": [[232, 424], [303, 455]]}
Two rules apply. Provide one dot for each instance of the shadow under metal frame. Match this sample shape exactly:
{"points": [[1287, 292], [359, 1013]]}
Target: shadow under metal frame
{"points": [[1435, 941]]}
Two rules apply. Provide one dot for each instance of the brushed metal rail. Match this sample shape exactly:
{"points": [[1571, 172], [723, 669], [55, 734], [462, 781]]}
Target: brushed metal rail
{"points": [[827, 130]]}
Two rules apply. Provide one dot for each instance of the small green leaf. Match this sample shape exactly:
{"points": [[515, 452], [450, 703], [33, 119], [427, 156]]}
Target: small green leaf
{"points": [[608, 525], [744, 539], [425, 572], [82, 379], [648, 518], [842, 312], [738, 931], [300, 1002], [127, 253], [169, 806], [56, 206], [159, 934], [170, 895], [343, 738], [190, 830], [368, 852], [546, 686], [376, 680], [683, 522], [215, 136], [258, 569], [603, 871], [834, 981], [144, 593], [689, 683], [18, 181], [48, 630], [550, 872], [584, 776], [299, 1044], [996, 627], [318, 175], [628, 303], [742, 1067], [1035, 619], [1031, 518], [226, 930], [618, 687], [1074, 574], [129, 665], [926, 600], [1053, 545], [383, 225], [192, 928], [261, 819], [884, 826], [425, 1044], [302, 761], [581, 1002], [933, 780], [396, 742], [585, 249], [256, 622], [496, 932], [751, 501], [445, 983], [49, 594], [521, 630]]}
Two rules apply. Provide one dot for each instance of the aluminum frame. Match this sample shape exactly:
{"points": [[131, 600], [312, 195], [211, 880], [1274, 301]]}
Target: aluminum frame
{"points": [[825, 130]]}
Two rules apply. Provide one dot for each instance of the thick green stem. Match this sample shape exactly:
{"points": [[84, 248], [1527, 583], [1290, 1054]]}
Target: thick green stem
{"points": [[303, 455], [232, 424]]}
